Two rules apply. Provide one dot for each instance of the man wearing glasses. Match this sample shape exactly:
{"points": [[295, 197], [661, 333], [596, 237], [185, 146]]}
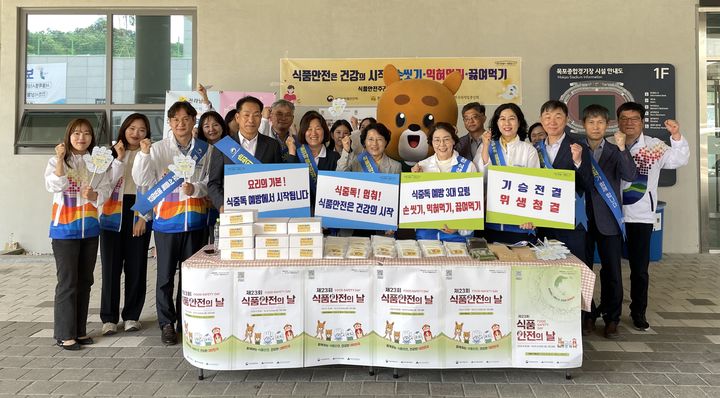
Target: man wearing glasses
{"points": [[282, 115], [473, 115], [640, 196]]}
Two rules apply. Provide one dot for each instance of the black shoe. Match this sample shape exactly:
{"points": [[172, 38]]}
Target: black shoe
{"points": [[168, 336], [611, 331], [640, 322], [588, 326], [85, 341], [71, 347]]}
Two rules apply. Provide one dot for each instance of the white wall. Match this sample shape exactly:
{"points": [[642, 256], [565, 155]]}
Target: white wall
{"points": [[240, 44]]}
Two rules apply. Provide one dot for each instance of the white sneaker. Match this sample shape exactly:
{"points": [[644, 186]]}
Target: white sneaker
{"points": [[109, 328], [132, 326]]}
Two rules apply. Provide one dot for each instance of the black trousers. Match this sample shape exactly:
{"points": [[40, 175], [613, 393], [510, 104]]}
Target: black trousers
{"points": [[75, 262], [172, 250], [120, 251], [611, 288], [638, 243]]}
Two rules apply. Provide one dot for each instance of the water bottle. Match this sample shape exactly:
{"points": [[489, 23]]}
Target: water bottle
{"points": [[216, 236]]}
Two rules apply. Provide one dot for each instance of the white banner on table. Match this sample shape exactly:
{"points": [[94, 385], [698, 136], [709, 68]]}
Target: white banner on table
{"points": [[478, 329], [269, 318], [546, 316], [518, 195], [407, 317], [193, 97], [338, 303], [207, 302], [357, 200], [275, 190], [46, 83]]}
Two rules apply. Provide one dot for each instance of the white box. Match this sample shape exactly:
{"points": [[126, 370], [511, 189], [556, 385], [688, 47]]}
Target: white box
{"points": [[274, 226], [271, 241], [271, 254], [238, 217], [310, 225], [236, 231], [309, 240], [237, 254], [236, 243], [306, 252]]}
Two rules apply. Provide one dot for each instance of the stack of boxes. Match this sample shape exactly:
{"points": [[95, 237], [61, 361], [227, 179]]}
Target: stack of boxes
{"points": [[306, 238], [271, 239], [237, 240]]}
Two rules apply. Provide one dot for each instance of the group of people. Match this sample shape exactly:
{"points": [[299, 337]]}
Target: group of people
{"points": [[97, 210]]}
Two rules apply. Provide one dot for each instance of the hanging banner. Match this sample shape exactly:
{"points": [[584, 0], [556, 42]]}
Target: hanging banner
{"points": [[193, 97], [433, 200], [338, 304], [546, 316], [207, 303], [359, 81], [269, 318], [478, 329], [357, 200], [407, 317], [275, 190], [518, 195], [46, 83]]}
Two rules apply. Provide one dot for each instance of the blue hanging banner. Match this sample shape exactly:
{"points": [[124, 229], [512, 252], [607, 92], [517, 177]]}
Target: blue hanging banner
{"points": [[235, 152], [305, 155], [145, 202], [496, 154], [368, 163], [461, 166], [580, 214], [606, 193]]}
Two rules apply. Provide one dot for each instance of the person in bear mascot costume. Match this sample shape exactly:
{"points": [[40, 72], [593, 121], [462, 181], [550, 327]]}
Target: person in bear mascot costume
{"points": [[409, 107]]}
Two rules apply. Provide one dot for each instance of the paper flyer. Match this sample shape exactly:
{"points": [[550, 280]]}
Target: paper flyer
{"points": [[338, 308], [478, 330]]}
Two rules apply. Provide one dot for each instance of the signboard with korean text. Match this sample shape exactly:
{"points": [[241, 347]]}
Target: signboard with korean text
{"points": [[338, 309], [359, 81], [46, 83], [518, 195], [478, 329], [357, 200], [207, 303], [407, 317], [275, 190], [434, 200], [268, 315], [545, 302]]}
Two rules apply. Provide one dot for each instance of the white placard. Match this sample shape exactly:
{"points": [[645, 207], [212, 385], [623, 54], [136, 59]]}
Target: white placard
{"points": [[275, 190]]}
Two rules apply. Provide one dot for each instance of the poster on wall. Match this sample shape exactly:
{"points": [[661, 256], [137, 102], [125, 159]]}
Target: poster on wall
{"points": [[338, 303], [610, 85], [359, 81], [193, 97], [207, 302], [46, 83], [546, 317], [477, 331], [407, 317], [268, 317]]}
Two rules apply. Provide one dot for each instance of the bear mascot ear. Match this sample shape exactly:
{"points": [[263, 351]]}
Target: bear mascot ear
{"points": [[391, 75], [452, 81]]}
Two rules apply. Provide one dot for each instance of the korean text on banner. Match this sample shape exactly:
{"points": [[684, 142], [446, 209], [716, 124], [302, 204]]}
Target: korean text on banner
{"points": [[310, 82], [433, 200], [357, 200], [275, 190], [517, 195], [46, 83], [193, 97]]}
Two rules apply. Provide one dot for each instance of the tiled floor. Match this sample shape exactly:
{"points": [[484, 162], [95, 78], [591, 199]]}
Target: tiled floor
{"points": [[678, 357]]}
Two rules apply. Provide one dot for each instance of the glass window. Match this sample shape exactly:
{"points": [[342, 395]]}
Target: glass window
{"points": [[47, 128], [156, 123]]}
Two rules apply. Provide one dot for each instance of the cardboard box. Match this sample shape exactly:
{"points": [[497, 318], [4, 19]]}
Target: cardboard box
{"points": [[309, 240], [236, 231], [236, 243], [238, 217], [271, 241], [271, 254], [310, 225], [306, 252], [271, 226], [237, 254]]}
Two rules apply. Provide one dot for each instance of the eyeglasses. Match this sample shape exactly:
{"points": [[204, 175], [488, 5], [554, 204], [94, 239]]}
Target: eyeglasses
{"points": [[634, 119], [474, 118], [442, 140], [184, 120]]}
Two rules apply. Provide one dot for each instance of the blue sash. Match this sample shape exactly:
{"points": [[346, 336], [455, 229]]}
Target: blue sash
{"points": [[199, 149], [461, 166], [607, 194], [145, 202], [305, 155], [580, 214], [367, 163], [496, 154], [235, 152]]}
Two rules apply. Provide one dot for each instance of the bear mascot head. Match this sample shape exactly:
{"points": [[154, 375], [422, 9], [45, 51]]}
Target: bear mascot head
{"points": [[408, 108]]}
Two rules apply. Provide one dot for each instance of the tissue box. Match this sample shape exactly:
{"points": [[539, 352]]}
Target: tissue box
{"points": [[274, 226], [271, 254], [236, 243], [310, 225], [271, 241], [236, 231], [309, 240], [238, 217], [237, 254]]}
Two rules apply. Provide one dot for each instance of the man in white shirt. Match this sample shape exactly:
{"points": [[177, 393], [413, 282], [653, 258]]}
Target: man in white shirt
{"points": [[640, 196]]}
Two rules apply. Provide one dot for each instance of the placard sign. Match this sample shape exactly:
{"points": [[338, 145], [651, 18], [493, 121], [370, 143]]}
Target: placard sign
{"points": [[275, 190]]}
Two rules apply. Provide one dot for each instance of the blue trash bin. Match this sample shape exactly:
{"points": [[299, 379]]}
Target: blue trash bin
{"points": [[656, 237]]}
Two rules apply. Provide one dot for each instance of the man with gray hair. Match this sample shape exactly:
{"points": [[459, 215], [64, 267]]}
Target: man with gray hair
{"points": [[281, 115]]}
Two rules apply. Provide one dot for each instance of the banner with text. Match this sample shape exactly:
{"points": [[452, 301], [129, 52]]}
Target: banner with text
{"points": [[359, 81], [357, 200], [433, 200], [518, 195], [275, 190], [193, 97], [46, 83]]}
